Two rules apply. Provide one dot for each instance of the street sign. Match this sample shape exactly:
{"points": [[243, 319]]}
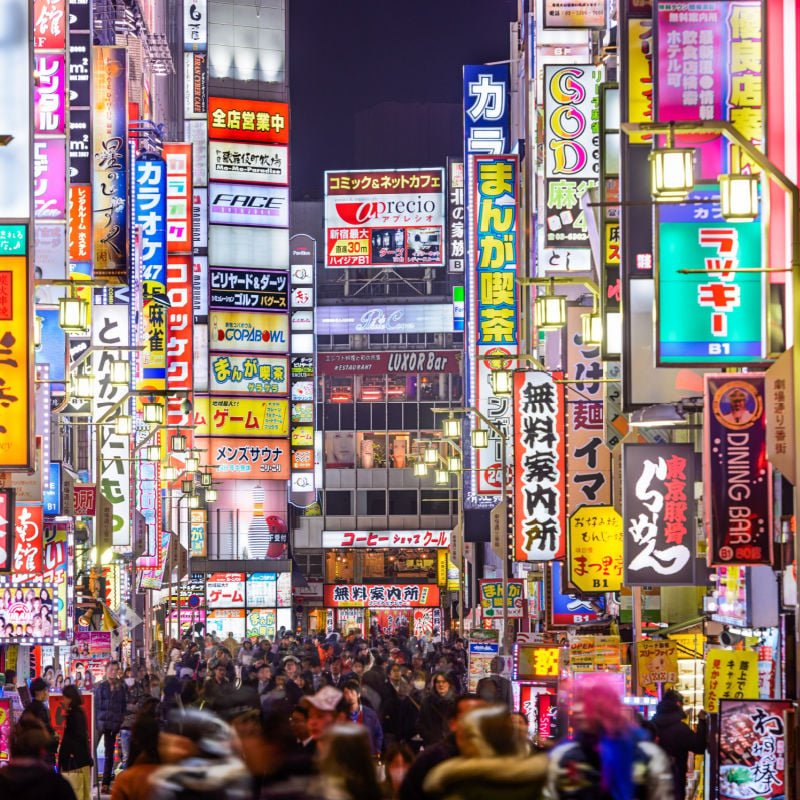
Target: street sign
{"points": [[499, 529]]}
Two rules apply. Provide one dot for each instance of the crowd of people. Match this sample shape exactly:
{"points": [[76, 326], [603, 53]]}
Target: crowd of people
{"points": [[333, 718]]}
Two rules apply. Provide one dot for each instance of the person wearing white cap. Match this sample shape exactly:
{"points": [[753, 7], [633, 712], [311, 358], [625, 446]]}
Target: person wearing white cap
{"points": [[321, 711]]}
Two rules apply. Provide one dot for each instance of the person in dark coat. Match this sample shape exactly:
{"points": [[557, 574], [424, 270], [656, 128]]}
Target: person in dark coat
{"points": [[362, 715], [110, 704], [38, 709], [437, 710], [74, 755], [494, 688], [676, 738]]}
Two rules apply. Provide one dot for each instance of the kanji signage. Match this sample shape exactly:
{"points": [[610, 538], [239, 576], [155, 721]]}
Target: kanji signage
{"points": [[753, 756], [456, 234], [595, 550], [383, 218], [717, 314], [180, 327], [7, 521], [249, 332], [395, 539], [536, 662], [28, 541], [398, 362], [248, 163], [780, 394], [657, 660], [237, 459], [241, 416], [540, 494], [84, 499], [491, 598], [16, 425], [109, 134], [565, 223], [197, 533], [230, 374], [400, 595], [239, 120], [737, 476], [574, 14], [658, 511], [729, 675], [49, 24], [247, 289], [225, 590], [80, 222]]}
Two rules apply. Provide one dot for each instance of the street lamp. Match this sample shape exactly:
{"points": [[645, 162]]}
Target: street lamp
{"points": [[82, 387], [120, 372], [454, 464], [187, 486], [151, 453], [502, 381], [550, 310], [420, 469], [211, 495], [73, 314], [480, 437], [206, 479], [123, 425], [441, 477], [169, 473], [592, 328], [194, 501], [451, 427], [153, 413], [672, 172], [178, 443], [430, 455], [738, 197], [192, 463]]}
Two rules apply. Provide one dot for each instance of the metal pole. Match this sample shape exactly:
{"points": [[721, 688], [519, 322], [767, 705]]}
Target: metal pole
{"points": [[503, 499], [460, 553]]}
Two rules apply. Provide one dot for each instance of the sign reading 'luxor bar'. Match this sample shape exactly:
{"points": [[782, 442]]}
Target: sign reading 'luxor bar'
{"points": [[372, 363]]}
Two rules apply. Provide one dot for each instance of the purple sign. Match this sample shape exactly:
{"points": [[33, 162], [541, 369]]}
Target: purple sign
{"points": [[738, 484], [49, 95], [49, 179]]}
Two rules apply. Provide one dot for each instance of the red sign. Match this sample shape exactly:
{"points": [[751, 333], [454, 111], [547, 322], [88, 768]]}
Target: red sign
{"points": [[84, 498], [6, 528], [380, 595], [394, 363], [80, 222], [49, 24], [178, 157], [28, 542], [238, 120]]}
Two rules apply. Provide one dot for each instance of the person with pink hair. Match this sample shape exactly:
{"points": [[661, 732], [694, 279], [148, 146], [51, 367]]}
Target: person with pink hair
{"points": [[607, 756]]}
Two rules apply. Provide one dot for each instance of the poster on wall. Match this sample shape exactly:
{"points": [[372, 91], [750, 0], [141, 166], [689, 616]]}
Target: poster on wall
{"points": [[27, 614]]}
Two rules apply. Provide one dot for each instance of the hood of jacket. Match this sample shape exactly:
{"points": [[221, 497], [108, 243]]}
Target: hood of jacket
{"points": [[201, 775], [22, 773], [501, 770], [668, 714]]}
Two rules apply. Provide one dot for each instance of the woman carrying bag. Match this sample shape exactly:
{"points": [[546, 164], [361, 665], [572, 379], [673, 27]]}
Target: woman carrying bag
{"points": [[75, 754]]}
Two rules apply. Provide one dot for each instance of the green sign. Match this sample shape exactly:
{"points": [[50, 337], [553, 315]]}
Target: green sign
{"points": [[711, 314], [13, 240]]}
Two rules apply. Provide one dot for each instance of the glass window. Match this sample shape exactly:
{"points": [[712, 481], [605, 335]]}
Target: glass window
{"points": [[437, 501], [371, 502], [346, 417], [340, 449], [371, 388], [399, 449], [379, 417], [371, 450], [339, 390], [426, 420], [363, 417], [403, 502], [410, 416], [338, 566], [456, 388], [395, 415], [402, 387], [331, 417], [338, 504]]}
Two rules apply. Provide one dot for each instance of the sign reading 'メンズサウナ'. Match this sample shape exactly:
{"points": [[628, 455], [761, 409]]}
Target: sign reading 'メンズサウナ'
{"points": [[737, 475]]}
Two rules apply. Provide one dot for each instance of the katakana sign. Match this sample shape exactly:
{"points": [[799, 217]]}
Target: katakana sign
{"points": [[370, 539], [237, 459], [248, 289], [595, 550], [491, 598], [241, 416]]}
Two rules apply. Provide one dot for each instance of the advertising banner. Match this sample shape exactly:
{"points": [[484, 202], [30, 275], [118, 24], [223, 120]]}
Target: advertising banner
{"points": [[269, 589], [197, 533], [658, 511], [58, 567], [716, 315], [239, 120], [231, 374], [384, 218], [456, 234], [236, 459], [49, 24], [371, 539], [16, 350], [84, 500], [482, 648], [195, 86], [248, 163], [658, 664], [709, 67], [49, 181], [569, 608], [28, 614], [565, 224], [737, 476], [390, 363], [226, 621], [7, 523], [237, 331], [28, 540], [195, 20], [491, 598], [780, 394], [6, 723], [574, 14], [537, 662], [254, 248], [594, 550], [178, 157], [401, 595], [248, 204], [753, 753], [336, 320], [241, 416], [80, 145], [261, 622], [539, 451], [729, 675], [180, 325], [50, 95], [80, 222], [80, 72], [109, 134], [225, 590], [247, 289]]}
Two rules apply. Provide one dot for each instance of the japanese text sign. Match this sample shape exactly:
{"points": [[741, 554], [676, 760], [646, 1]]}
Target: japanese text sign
{"points": [[716, 315], [239, 120], [658, 664], [401, 595], [248, 163], [384, 218], [225, 590], [753, 755], [85, 499], [780, 394], [6, 529], [230, 374], [491, 598], [540, 499], [737, 476], [28, 542], [80, 223], [197, 533], [179, 325], [248, 289], [244, 331], [569, 608], [178, 157], [574, 14], [49, 24], [397, 362], [595, 549], [236, 459], [50, 115], [456, 234], [729, 675], [394, 539], [536, 662], [658, 511], [241, 416], [49, 182]]}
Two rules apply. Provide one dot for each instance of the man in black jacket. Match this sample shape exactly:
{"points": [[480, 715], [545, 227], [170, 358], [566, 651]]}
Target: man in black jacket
{"points": [[37, 708], [110, 704], [676, 738]]}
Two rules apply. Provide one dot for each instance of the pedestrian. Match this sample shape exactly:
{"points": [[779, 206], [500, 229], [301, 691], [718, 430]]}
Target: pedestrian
{"points": [[75, 760], [134, 694], [676, 738], [494, 688], [397, 760], [39, 709], [144, 760], [492, 762], [27, 776], [362, 715], [608, 757], [322, 709], [436, 710], [111, 701], [345, 765], [217, 687]]}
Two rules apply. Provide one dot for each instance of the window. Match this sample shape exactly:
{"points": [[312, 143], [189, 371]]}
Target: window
{"points": [[371, 450], [339, 504], [403, 502], [371, 502], [340, 450], [438, 501], [339, 390]]}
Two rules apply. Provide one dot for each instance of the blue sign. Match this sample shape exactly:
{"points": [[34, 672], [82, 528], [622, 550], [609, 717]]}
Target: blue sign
{"points": [[572, 609], [51, 490], [53, 350]]}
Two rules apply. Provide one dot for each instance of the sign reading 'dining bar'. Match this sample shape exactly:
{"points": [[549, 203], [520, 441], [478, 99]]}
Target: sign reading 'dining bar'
{"points": [[248, 163], [240, 331], [239, 204], [248, 290], [239, 120]]}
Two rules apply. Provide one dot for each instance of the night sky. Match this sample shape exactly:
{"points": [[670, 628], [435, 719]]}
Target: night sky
{"points": [[349, 55]]}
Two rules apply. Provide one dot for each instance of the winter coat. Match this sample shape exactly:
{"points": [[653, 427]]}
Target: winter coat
{"points": [[433, 723], [110, 704], [575, 772], [37, 709], [202, 779], [498, 777], [28, 779], [423, 765], [133, 700], [369, 719], [496, 689], [677, 739], [74, 752]]}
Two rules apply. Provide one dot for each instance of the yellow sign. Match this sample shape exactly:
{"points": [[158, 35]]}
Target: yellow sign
{"points": [[612, 244], [16, 419], [441, 568], [640, 75], [658, 664], [241, 416], [730, 675], [595, 549], [581, 654], [537, 662], [591, 653]]}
